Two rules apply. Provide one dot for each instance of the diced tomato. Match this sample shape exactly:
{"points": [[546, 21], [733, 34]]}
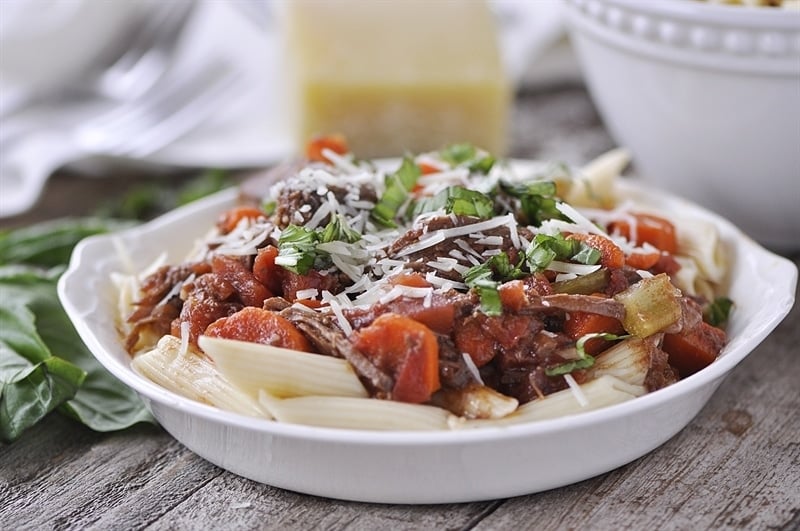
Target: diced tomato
{"points": [[336, 143], [228, 220], [427, 168], [406, 349], [655, 230]]}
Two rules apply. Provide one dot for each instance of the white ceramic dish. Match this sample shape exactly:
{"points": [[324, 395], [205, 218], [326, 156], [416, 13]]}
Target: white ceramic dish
{"points": [[420, 467], [706, 97]]}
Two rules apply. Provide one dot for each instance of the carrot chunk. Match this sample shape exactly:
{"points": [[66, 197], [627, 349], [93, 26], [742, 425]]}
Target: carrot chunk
{"points": [[228, 220], [578, 324], [695, 349], [407, 350], [655, 230], [642, 260], [336, 143], [259, 326], [611, 255], [265, 270]]}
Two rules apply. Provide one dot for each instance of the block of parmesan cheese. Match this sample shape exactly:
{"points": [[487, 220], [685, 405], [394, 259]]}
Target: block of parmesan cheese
{"points": [[397, 76]]}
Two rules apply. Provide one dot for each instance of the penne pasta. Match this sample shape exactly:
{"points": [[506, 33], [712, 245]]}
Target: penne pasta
{"points": [[355, 413], [601, 392], [628, 361], [476, 402], [700, 241], [193, 376], [281, 372], [595, 187]]}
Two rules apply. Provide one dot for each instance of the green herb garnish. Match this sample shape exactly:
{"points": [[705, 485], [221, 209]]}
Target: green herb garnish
{"points": [[398, 185], [584, 360], [457, 200], [718, 311]]}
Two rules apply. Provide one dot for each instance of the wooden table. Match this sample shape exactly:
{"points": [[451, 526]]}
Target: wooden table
{"points": [[736, 466]]}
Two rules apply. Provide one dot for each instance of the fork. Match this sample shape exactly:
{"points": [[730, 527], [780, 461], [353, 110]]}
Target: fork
{"points": [[132, 129], [131, 68], [148, 54]]}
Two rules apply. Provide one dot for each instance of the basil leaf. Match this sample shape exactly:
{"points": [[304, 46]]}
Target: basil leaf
{"points": [[570, 366], [456, 154], [490, 300], [35, 328], [586, 255], [398, 185], [545, 248], [338, 230], [50, 243], [537, 201], [29, 392], [457, 200], [718, 311], [584, 360], [297, 249]]}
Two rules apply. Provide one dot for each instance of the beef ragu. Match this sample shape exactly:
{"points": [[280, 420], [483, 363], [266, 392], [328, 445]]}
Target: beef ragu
{"points": [[449, 280]]}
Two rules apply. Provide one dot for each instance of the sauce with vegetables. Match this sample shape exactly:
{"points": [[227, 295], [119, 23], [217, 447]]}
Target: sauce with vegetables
{"points": [[448, 274]]}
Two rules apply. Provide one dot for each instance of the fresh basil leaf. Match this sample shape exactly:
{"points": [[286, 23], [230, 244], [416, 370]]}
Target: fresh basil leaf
{"points": [[50, 243], [537, 201], [29, 392], [456, 200], [297, 249], [718, 311], [545, 248], [584, 360], [35, 327], [338, 230], [490, 300], [570, 366], [456, 154], [586, 255], [398, 185]]}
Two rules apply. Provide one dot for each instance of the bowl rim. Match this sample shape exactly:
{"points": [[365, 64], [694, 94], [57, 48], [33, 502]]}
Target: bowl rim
{"points": [[102, 245], [712, 13]]}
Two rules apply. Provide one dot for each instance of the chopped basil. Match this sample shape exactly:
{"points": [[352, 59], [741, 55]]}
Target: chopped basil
{"points": [[718, 311], [486, 277], [269, 207], [297, 249], [570, 366], [457, 200], [297, 246], [537, 201], [584, 360], [586, 255], [467, 155], [338, 230], [398, 185]]}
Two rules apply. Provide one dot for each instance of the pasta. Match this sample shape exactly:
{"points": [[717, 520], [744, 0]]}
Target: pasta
{"points": [[450, 292]]}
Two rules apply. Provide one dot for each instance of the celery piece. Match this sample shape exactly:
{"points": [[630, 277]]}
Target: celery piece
{"points": [[651, 305]]}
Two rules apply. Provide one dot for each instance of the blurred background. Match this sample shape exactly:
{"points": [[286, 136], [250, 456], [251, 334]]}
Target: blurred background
{"points": [[707, 97], [88, 84]]}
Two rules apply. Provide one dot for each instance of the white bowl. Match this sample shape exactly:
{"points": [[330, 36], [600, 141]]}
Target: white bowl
{"points": [[420, 467], [707, 97]]}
